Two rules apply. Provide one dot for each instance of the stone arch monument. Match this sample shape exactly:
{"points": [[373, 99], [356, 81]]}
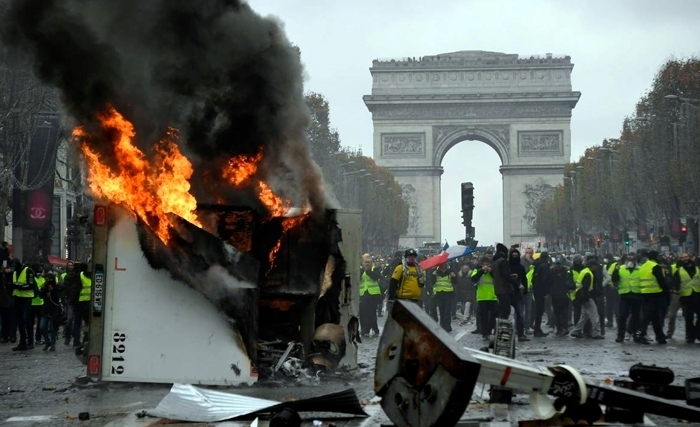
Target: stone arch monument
{"points": [[520, 107]]}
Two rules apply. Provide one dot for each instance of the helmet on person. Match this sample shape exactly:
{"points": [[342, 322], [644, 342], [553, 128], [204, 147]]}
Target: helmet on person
{"points": [[410, 253]]}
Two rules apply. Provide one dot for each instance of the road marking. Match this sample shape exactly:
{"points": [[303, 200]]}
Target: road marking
{"points": [[30, 418]]}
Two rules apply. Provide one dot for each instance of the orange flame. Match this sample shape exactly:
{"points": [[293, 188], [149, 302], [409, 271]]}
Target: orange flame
{"points": [[241, 168], [149, 190]]}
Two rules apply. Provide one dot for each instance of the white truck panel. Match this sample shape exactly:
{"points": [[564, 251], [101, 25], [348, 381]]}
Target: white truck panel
{"points": [[159, 330]]}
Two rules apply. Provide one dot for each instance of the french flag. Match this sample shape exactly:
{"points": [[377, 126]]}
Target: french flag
{"points": [[448, 254]]}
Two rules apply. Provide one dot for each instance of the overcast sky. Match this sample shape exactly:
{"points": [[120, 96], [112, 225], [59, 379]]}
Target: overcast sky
{"points": [[616, 46]]}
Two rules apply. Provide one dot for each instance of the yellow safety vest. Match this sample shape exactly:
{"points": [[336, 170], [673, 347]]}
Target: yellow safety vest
{"points": [[578, 278], [21, 280], [647, 281], [86, 290], [369, 285], [629, 281], [38, 301], [443, 284], [687, 282], [529, 275], [485, 290]]}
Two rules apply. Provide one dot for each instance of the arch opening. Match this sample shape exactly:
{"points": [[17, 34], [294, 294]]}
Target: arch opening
{"points": [[478, 162]]}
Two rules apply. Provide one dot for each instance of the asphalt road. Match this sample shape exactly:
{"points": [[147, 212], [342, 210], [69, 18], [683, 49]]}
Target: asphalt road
{"points": [[42, 384]]}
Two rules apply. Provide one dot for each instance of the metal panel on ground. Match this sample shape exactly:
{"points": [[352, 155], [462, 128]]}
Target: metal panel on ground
{"points": [[159, 330]]}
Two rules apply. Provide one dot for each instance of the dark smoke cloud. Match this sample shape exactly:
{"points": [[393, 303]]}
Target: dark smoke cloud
{"points": [[225, 76]]}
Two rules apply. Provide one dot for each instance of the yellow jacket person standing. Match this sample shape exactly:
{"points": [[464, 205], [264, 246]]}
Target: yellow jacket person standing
{"points": [[370, 295], [408, 279], [24, 287]]}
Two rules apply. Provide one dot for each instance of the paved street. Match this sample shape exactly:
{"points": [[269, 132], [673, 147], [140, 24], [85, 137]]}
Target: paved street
{"points": [[23, 377]]}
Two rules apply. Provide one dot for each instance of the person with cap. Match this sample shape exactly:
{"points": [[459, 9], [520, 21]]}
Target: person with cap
{"points": [[584, 288], [407, 280], [562, 283], [625, 278], [652, 283], [370, 295]]}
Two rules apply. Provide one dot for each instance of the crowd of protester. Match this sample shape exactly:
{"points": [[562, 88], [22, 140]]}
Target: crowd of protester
{"points": [[39, 300], [576, 295]]}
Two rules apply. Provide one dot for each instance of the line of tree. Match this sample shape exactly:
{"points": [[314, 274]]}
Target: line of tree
{"points": [[646, 183], [357, 182]]}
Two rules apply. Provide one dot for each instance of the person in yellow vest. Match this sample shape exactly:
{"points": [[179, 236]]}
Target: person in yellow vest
{"points": [[82, 309], [652, 283], [612, 298], [407, 280], [444, 294], [37, 303], [24, 287], [686, 282], [485, 297], [625, 279], [370, 296], [674, 294], [584, 295]]}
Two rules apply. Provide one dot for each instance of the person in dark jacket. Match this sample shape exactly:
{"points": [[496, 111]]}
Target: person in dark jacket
{"points": [[506, 282], [541, 284], [8, 323], [71, 289], [51, 311], [562, 284]]}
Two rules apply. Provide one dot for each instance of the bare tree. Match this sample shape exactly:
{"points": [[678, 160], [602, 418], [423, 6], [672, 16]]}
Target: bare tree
{"points": [[23, 101]]}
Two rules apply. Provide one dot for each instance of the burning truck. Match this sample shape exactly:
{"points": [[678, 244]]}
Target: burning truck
{"points": [[215, 235]]}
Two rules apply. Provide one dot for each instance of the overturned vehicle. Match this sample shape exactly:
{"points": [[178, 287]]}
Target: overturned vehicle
{"points": [[254, 298]]}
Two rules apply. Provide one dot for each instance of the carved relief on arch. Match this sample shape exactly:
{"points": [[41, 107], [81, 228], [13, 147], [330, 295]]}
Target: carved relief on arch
{"points": [[497, 136]]}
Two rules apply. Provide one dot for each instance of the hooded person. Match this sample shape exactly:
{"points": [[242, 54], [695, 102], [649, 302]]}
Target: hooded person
{"points": [[541, 285], [505, 283], [562, 285]]}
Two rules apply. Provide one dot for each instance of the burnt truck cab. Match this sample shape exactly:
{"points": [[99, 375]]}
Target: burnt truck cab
{"points": [[207, 307]]}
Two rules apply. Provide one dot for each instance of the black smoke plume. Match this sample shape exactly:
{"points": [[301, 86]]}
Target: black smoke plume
{"points": [[222, 74]]}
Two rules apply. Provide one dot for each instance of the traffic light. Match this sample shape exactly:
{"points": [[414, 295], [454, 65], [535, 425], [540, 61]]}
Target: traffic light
{"points": [[539, 243], [72, 229], [684, 235], [597, 242], [467, 203], [627, 239], [467, 195]]}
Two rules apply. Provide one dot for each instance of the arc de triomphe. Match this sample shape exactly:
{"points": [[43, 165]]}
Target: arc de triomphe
{"points": [[521, 107]]}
